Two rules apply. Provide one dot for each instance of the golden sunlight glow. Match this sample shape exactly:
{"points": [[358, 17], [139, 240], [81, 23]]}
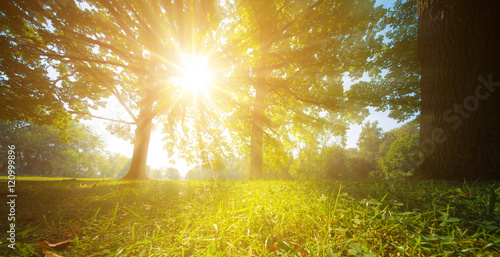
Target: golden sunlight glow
{"points": [[195, 76]]}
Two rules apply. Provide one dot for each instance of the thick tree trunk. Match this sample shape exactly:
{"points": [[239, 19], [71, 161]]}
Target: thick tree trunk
{"points": [[257, 134], [259, 112], [137, 170], [460, 89]]}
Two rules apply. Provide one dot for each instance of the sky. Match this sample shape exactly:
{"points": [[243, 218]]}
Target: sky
{"points": [[158, 157]]}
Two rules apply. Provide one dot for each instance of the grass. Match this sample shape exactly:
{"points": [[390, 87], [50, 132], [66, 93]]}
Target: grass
{"points": [[264, 218]]}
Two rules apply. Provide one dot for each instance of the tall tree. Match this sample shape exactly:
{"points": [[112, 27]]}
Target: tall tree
{"points": [[369, 140], [460, 81], [396, 163], [96, 49], [290, 56]]}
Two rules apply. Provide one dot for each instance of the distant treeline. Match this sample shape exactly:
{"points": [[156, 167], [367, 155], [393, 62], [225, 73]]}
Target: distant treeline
{"points": [[379, 155], [41, 150]]}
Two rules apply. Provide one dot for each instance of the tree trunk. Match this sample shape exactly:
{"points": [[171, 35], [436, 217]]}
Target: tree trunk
{"points": [[137, 170], [460, 89], [256, 138], [259, 112]]}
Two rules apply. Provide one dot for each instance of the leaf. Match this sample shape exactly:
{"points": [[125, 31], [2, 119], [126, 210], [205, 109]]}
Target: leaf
{"points": [[331, 221], [355, 249], [57, 246]]}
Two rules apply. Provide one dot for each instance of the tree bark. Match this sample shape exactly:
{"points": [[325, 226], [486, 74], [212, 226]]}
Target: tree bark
{"points": [[259, 111], [257, 134], [460, 89], [137, 170]]}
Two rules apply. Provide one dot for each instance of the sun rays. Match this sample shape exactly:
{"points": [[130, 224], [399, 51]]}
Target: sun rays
{"points": [[195, 76]]}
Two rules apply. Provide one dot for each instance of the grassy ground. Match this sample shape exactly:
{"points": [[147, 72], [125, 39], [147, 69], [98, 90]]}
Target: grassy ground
{"points": [[265, 218]]}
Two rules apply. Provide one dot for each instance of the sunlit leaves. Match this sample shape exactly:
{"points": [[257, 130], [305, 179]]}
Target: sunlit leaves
{"points": [[277, 65], [66, 58], [294, 53]]}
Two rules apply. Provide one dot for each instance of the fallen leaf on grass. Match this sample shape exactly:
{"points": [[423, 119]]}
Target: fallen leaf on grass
{"points": [[49, 254], [331, 221], [297, 246], [56, 246], [121, 217]]}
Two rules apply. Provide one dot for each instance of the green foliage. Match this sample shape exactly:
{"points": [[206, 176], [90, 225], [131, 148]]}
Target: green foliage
{"points": [[369, 143], [27, 92], [278, 159], [286, 61], [401, 158], [40, 151], [336, 163], [163, 173], [118, 165], [369, 140], [171, 218], [198, 173], [61, 60], [307, 165], [319, 156], [234, 169], [399, 151], [173, 174], [360, 168], [395, 72], [278, 69], [277, 90]]}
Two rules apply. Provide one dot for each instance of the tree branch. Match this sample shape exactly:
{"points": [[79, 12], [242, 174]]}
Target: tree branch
{"points": [[122, 102], [76, 58], [88, 40], [63, 77], [102, 118], [310, 101], [117, 94], [310, 8], [120, 21]]}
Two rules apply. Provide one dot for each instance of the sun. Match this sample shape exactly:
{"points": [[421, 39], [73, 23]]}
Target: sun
{"points": [[195, 76]]}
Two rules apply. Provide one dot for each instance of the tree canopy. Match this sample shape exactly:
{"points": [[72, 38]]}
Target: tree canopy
{"points": [[260, 81], [64, 59], [278, 66]]}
